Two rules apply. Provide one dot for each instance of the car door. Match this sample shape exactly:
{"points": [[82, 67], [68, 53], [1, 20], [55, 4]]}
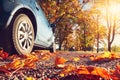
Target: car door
{"points": [[44, 31]]}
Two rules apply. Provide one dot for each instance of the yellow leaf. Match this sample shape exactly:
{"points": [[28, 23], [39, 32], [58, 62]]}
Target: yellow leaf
{"points": [[30, 78], [62, 75], [106, 55], [76, 59]]}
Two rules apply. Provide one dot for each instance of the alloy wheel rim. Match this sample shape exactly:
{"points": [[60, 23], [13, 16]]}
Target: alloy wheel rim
{"points": [[25, 37]]}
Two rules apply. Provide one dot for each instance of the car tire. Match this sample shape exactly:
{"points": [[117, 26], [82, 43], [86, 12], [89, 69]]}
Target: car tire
{"points": [[23, 34]]}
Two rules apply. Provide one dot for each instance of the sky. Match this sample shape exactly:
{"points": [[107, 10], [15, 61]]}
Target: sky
{"points": [[87, 6]]}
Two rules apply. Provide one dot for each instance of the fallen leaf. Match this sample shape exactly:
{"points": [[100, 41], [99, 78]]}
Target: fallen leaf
{"points": [[3, 54], [16, 63], [93, 71], [108, 55], [59, 60], [101, 72], [82, 70], [62, 75], [60, 65], [30, 78], [30, 61], [76, 59]]}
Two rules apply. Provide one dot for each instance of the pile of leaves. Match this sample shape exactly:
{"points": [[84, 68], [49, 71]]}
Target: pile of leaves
{"points": [[105, 55], [18, 64], [90, 72]]}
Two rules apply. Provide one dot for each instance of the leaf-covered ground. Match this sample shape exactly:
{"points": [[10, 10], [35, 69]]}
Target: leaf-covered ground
{"points": [[43, 65]]}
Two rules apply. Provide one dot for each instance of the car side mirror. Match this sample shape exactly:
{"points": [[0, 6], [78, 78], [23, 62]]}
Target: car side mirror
{"points": [[53, 25]]}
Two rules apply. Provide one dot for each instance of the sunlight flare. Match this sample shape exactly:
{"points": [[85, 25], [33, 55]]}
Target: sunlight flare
{"points": [[114, 9]]}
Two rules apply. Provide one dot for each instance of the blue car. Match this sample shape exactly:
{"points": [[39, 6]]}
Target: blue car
{"points": [[23, 26]]}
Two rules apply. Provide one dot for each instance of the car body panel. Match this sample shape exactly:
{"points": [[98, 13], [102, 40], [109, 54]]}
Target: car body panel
{"points": [[44, 35], [9, 8]]}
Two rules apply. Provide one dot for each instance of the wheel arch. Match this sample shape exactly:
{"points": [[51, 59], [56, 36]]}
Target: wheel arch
{"points": [[30, 14]]}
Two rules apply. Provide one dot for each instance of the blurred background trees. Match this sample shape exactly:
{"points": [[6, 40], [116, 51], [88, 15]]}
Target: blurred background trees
{"points": [[79, 25]]}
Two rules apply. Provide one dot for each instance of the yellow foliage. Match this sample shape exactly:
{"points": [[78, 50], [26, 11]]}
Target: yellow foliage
{"points": [[62, 75], [76, 59], [109, 55], [106, 55], [30, 78]]}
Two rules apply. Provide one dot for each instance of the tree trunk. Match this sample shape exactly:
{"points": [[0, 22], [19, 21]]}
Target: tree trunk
{"points": [[109, 46], [84, 47], [98, 42], [97, 35], [111, 28], [60, 45]]}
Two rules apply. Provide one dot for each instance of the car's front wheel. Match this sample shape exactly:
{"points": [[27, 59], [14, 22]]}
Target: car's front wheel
{"points": [[23, 34]]}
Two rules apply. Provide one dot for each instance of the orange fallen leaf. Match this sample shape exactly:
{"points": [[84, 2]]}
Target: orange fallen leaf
{"points": [[116, 73], [82, 70], [45, 57], [93, 71], [20, 62], [17, 63], [118, 66], [30, 60], [114, 55], [4, 69], [59, 60], [3, 54], [101, 72], [67, 69]]}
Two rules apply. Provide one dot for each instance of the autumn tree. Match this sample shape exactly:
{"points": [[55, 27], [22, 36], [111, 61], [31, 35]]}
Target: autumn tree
{"points": [[62, 14], [111, 22], [111, 11], [89, 29], [68, 43], [65, 17], [100, 31], [85, 32]]}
